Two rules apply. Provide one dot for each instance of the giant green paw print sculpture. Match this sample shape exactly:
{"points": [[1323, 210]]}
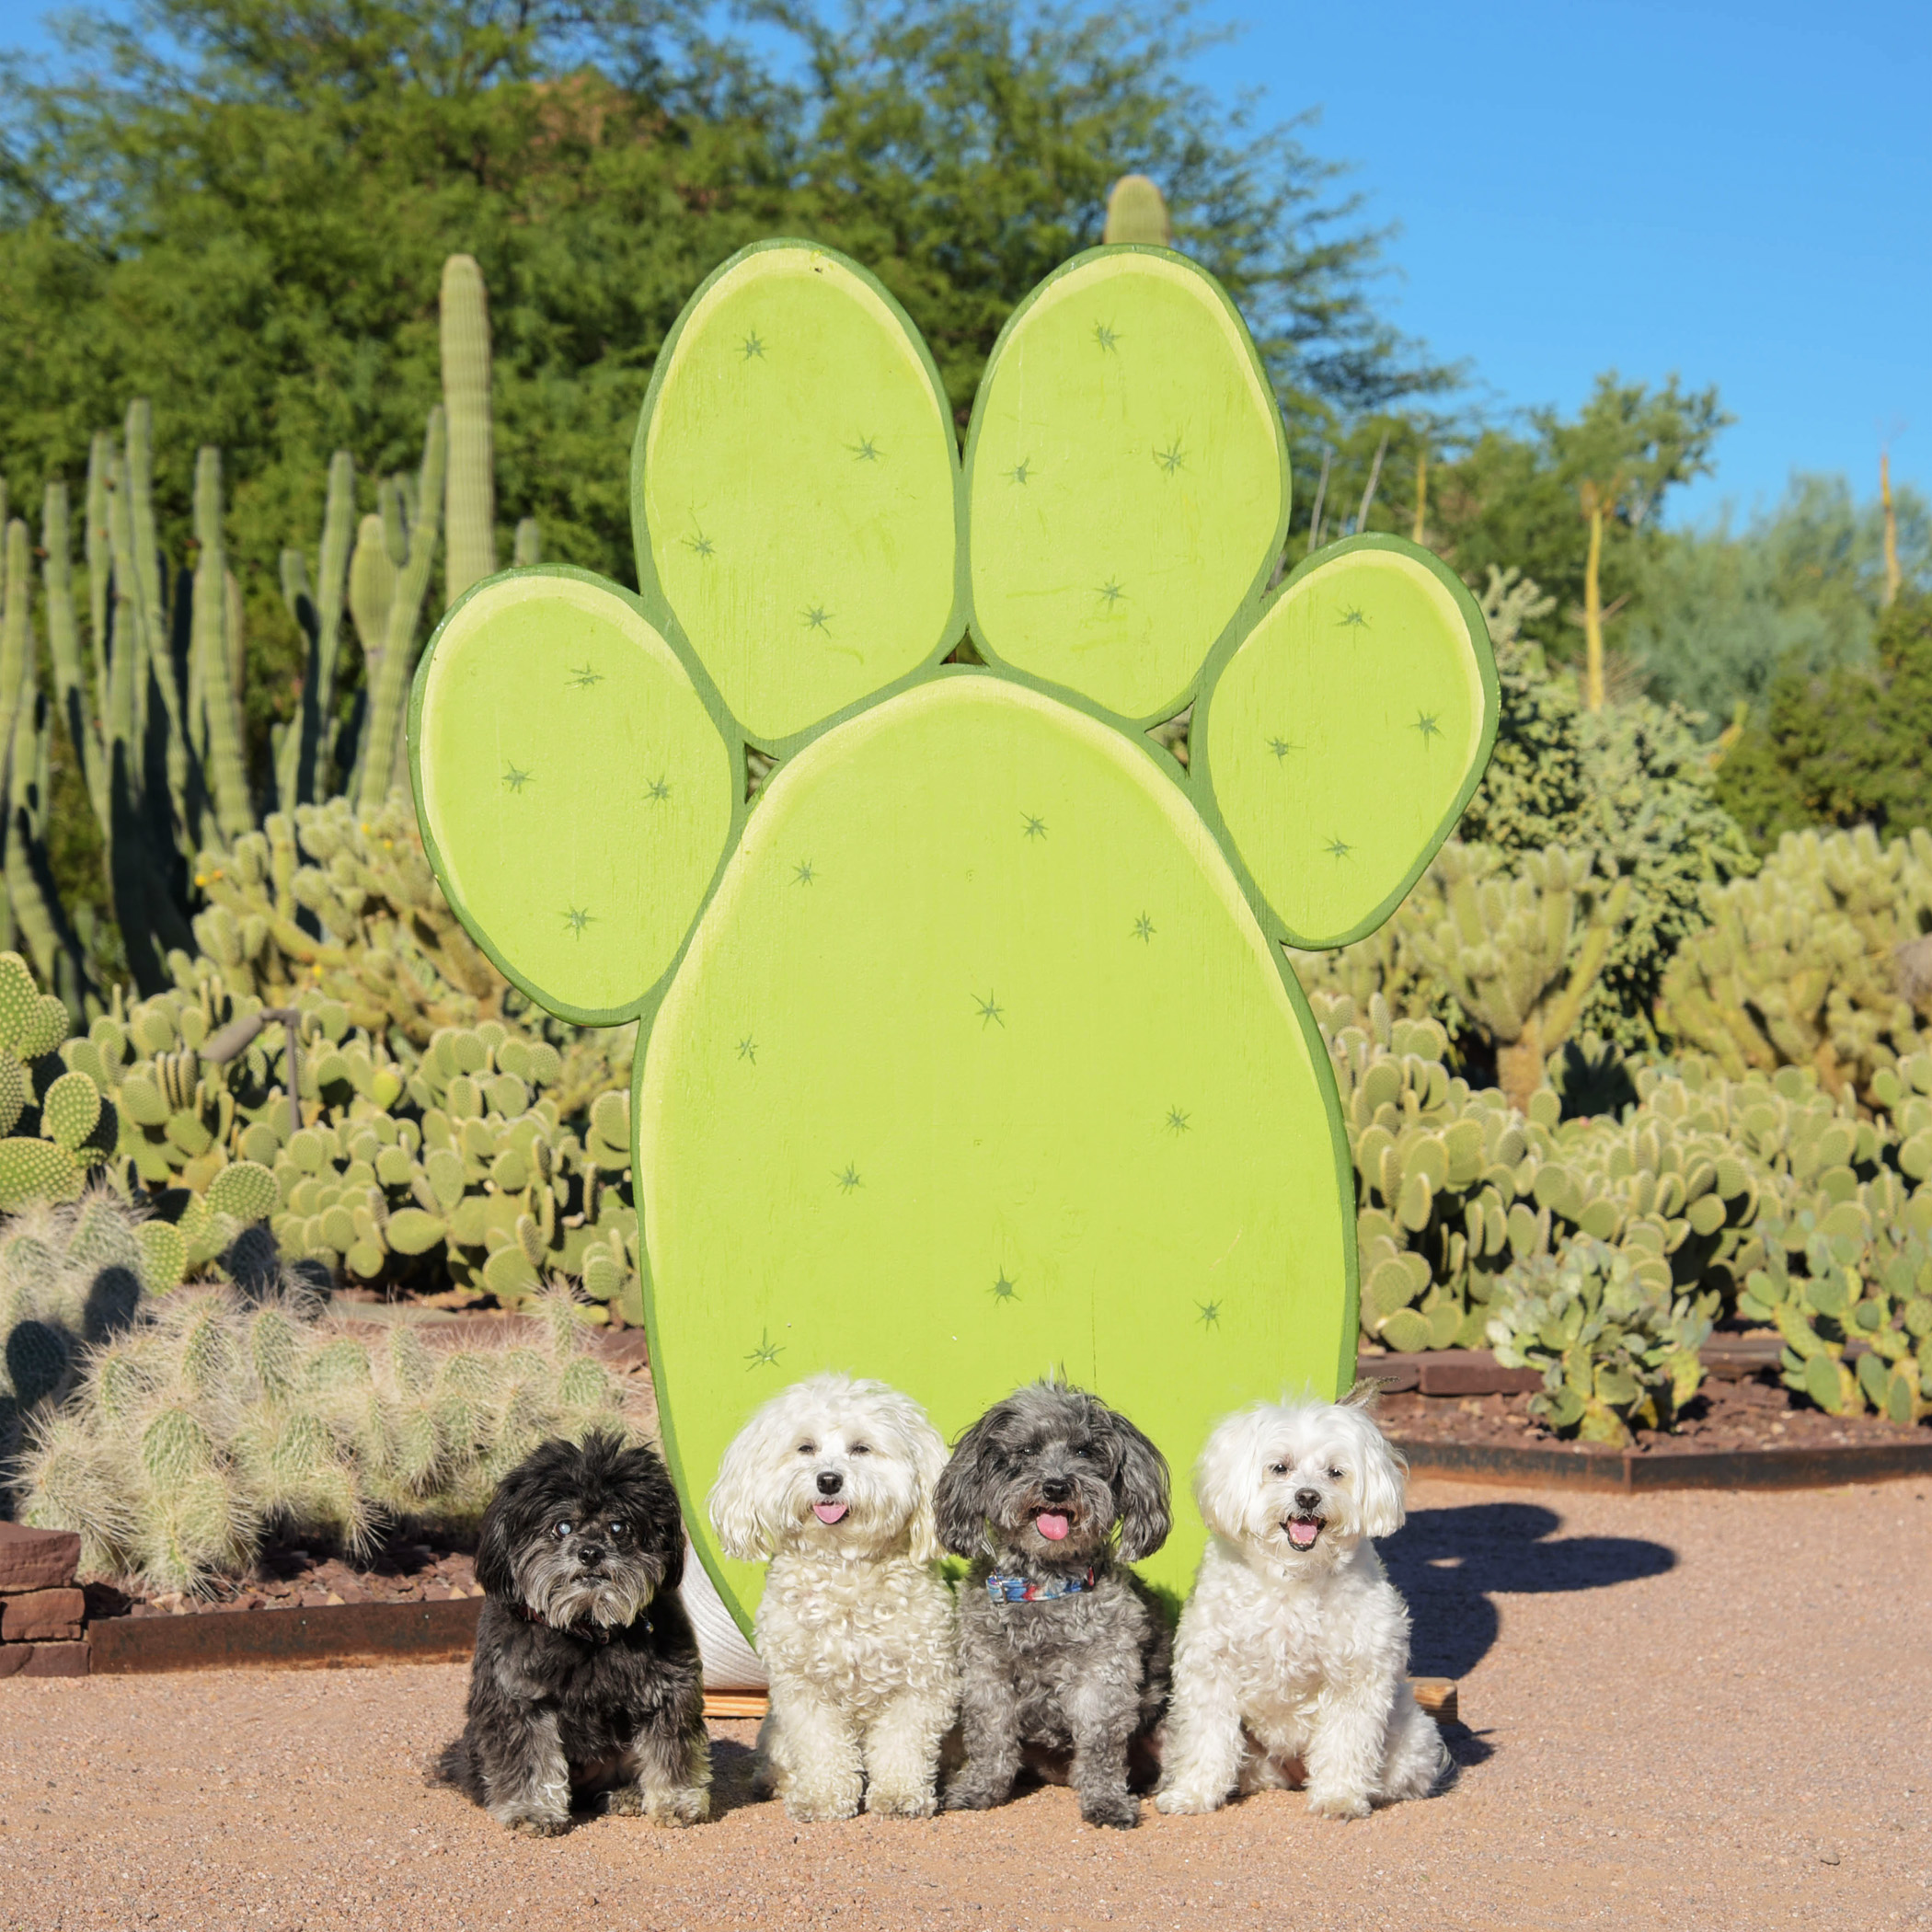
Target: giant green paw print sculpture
{"points": [[969, 1052]]}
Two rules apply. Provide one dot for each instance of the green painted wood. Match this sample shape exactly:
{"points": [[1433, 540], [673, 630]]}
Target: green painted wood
{"points": [[1341, 737], [980, 1067], [1126, 481], [575, 794], [795, 485], [969, 1053]]}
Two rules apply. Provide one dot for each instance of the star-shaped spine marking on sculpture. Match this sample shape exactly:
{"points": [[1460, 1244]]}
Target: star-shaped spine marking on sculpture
{"points": [[748, 1050], [658, 791], [1178, 1118], [1005, 1290], [1210, 1316], [582, 677], [753, 345], [1281, 747], [1171, 458], [576, 918], [765, 1355], [515, 779], [802, 873], [1111, 592], [1353, 618], [1144, 929], [847, 1177], [1337, 847], [865, 450], [1035, 828], [1426, 724], [699, 545], [816, 617], [1105, 337], [989, 1008], [1021, 471]]}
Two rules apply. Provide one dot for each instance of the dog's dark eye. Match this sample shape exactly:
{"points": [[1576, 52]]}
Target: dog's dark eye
{"points": [[861, 1449], [1334, 1474], [562, 1531], [808, 1448], [1278, 1468], [619, 1530]]}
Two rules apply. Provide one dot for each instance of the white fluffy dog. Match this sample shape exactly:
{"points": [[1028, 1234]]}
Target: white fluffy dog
{"points": [[1292, 1659], [833, 1481]]}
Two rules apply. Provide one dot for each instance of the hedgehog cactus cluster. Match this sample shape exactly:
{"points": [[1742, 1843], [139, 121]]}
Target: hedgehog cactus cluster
{"points": [[1612, 1349], [194, 1434], [1822, 960]]}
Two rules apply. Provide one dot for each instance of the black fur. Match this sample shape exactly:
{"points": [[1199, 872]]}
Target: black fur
{"points": [[1074, 1684], [586, 1678]]}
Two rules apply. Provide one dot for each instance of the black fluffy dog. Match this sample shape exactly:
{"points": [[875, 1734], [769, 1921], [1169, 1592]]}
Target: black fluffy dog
{"points": [[586, 1678], [1062, 1653]]}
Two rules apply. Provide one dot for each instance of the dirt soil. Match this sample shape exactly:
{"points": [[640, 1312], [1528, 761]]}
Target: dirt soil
{"points": [[1690, 1709], [1760, 1413]]}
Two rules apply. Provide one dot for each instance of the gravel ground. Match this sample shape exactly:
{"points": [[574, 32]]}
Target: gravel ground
{"points": [[1695, 1708]]}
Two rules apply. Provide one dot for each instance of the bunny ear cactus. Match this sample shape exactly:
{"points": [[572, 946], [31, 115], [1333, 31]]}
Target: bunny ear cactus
{"points": [[969, 1052]]}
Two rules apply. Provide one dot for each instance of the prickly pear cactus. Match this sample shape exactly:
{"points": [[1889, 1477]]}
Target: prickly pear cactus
{"points": [[970, 1052]]}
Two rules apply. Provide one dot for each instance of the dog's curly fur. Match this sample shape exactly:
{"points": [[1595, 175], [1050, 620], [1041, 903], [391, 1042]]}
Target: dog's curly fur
{"points": [[1292, 1660], [586, 1678], [1082, 1676], [856, 1625]]}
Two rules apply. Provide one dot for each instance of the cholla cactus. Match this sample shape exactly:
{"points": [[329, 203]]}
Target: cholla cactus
{"points": [[192, 1435], [1613, 1350]]}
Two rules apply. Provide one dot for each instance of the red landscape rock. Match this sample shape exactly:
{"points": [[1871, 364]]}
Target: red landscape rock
{"points": [[42, 1617], [36, 1559], [56, 1660]]}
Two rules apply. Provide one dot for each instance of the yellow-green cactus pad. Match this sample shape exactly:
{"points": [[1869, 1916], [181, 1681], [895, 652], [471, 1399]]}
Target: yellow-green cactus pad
{"points": [[1343, 736], [980, 1067], [796, 489], [572, 786], [1127, 481]]}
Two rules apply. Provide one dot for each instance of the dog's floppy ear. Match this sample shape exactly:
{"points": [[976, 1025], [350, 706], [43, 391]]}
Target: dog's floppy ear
{"points": [[1140, 1489], [650, 1499], [961, 1497], [1384, 1481], [737, 1500], [925, 1448]]}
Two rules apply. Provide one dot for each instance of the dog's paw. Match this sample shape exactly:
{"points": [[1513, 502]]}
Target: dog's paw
{"points": [[1186, 1802], [539, 1827], [1113, 1810], [625, 1801], [688, 1805], [969, 1795], [1338, 1804], [819, 1806], [891, 1801]]}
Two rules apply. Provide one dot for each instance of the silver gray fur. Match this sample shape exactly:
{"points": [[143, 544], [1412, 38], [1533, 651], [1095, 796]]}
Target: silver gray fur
{"points": [[1080, 1679]]}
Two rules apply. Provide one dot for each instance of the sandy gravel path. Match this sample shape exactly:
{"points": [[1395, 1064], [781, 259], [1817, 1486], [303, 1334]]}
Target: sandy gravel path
{"points": [[1705, 1710]]}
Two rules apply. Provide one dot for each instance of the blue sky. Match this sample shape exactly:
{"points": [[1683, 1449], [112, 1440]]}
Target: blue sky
{"points": [[1742, 193], [1739, 193]]}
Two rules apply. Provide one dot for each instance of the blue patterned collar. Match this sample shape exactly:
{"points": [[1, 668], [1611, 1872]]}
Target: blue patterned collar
{"points": [[1020, 1590]]}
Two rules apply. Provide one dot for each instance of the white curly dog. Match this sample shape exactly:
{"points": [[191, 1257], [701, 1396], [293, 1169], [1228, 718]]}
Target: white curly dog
{"points": [[833, 1481], [1290, 1663]]}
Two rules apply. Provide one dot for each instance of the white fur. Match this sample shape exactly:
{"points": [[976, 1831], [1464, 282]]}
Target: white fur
{"points": [[855, 1626], [1296, 1661]]}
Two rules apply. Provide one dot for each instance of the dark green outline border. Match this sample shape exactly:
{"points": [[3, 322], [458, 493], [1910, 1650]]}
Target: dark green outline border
{"points": [[1225, 650], [1247, 611]]}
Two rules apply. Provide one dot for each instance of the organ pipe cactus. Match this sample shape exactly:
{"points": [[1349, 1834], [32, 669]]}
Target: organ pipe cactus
{"points": [[472, 541]]}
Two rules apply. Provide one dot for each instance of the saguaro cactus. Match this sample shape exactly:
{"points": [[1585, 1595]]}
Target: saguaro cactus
{"points": [[471, 487]]}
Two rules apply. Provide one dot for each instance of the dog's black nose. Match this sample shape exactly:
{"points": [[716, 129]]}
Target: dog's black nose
{"points": [[590, 1555], [1056, 1489], [1308, 1500], [830, 1482]]}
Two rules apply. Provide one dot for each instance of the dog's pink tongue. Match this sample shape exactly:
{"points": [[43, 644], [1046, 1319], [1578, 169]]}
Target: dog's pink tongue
{"points": [[829, 1512], [1303, 1534], [1054, 1528]]}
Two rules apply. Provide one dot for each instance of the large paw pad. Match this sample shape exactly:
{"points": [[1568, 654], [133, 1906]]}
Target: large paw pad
{"points": [[971, 1055]]}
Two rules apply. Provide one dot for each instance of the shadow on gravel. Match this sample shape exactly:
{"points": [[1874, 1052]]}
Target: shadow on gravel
{"points": [[1448, 1563]]}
